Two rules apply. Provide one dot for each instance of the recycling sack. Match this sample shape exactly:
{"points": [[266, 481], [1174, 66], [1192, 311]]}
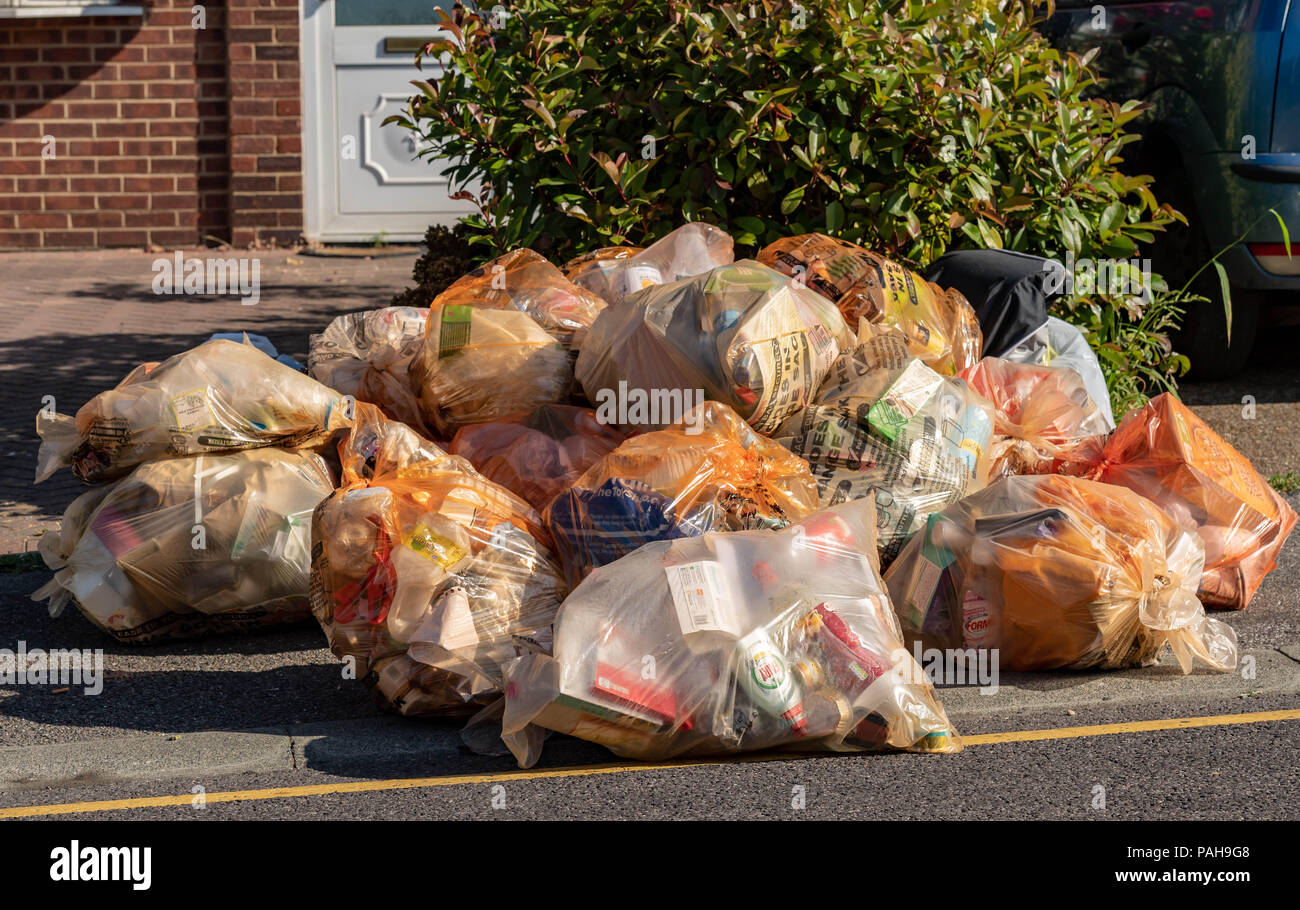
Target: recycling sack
{"points": [[742, 333], [886, 424], [1057, 343], [479, 364], [527, 282], [368, 355], [732, 642], [540, 454], [1044, 420], [1172, 457], [709, 472], [940, 325], [614, 272], [146, 562], [218, 397], [427, 574], [1058, 572]]}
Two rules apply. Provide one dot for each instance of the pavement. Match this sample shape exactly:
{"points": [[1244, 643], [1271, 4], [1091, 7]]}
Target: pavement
{"points": [[266, 727]]}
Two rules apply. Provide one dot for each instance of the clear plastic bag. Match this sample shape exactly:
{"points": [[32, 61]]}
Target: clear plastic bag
{"points": [[1171, 456], [427, 574], [145, 562], [730, 643], [540, 454], [941, 328], [1058, 572], [614, 272], [478, 365], [710, 472], [886, 424], [742, 333], [527, 282], [218, 397], [1045, 421], [1059, 344], [368, 355]]}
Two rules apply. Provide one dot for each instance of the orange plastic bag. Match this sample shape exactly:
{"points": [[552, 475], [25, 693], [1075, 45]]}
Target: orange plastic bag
{"points": [[1050, 571], [426, 573], [1044, 420], [940, 325], [708, 472], [1171, 456], [540, 454]]}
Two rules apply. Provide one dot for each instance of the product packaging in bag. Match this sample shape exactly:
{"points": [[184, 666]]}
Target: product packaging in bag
{"points": [[884, 423], [218, 397], [368, 355], [732, 642], [1045, 420], [709, 472], [183, 547], [940, 326], [426, 573], [614, 272], [1051, 572], [1172, 457], [527, 282], [741, 334], [540, 454]]}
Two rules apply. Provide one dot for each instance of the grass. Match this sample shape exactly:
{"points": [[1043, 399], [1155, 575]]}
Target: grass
{"points": [[1285, 483]]}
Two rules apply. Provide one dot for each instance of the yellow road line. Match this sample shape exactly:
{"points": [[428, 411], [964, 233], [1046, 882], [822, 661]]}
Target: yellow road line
{"points": [[415, 783]]}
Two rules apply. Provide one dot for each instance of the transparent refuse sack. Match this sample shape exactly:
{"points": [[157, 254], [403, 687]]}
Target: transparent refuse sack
{"points": [[425, 574], [1045, 422], [527, 282], [732, 642], [1056, 572], [368, 355], [540, 454], [146, 560], [941, 328], [217, 397], [708, 472], [1172, 457], [886, 424], [741, 334], [614, 272]]}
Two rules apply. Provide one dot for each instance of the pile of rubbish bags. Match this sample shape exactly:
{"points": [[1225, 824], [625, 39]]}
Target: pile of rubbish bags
{"points": [[667, 501]]}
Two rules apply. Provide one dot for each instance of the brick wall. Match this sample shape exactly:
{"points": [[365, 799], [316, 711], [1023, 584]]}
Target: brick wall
{"points": [[161, 133]]}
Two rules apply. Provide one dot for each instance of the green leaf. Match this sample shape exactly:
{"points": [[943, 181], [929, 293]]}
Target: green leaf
{"points": [[1227, 296], [834, 217], [792, 200]]}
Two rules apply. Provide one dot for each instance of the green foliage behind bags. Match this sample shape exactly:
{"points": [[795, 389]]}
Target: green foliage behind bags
{"points": [[908, 127]]}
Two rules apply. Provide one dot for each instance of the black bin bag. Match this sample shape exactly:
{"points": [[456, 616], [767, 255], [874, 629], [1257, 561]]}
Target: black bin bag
{"points": [[1010, 292]]}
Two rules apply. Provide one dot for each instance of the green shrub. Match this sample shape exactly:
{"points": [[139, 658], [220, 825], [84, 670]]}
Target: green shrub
{"points": [[909, 127]]}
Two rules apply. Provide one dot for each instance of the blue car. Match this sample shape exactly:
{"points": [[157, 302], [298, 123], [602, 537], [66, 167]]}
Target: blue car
{"points": [[1222, 140]]}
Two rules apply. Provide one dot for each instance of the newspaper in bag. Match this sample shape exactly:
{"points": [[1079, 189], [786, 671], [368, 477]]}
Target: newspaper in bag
{"points": [[426, 574], [732, 642], [183, 547], [1051, 572], [741, 334], [940, 326], [884, 423]]}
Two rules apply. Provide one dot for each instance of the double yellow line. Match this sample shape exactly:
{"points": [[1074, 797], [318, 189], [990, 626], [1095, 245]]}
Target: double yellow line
{"points": [[416, 783]]}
